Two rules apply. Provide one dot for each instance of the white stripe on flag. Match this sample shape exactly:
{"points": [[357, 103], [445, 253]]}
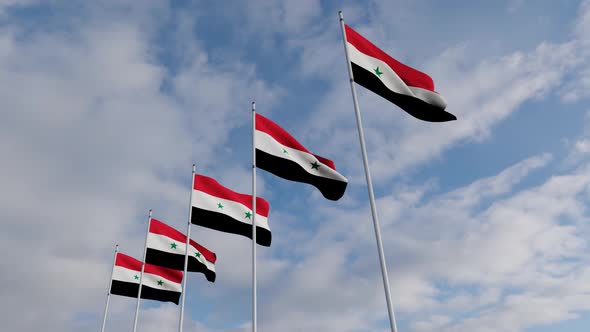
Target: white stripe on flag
{"points": [[268, 144], [230, 208], [390, 78], [151, 280]]}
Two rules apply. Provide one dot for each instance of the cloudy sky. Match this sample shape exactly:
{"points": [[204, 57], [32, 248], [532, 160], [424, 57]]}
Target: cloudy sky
{"points": [[105, 105]]}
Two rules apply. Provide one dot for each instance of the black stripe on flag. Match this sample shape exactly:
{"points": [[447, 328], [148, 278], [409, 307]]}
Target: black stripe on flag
{"points": [[290, 170], [130, 290], [224, 223], [415, 106], [176, 262]]}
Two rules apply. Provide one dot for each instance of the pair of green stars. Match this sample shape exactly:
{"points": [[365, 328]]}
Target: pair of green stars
{"points": [[248, 214], [160, 282], [315, 164], [173, 245]]}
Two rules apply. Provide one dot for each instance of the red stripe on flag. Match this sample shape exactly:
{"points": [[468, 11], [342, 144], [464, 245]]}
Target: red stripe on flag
{"points": [[213, 188], [133, 264], [128, 262], [170, 274], [409, 75], [158, 227], [282, 136]]}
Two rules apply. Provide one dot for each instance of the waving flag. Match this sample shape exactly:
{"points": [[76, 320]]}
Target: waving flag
{"points": [[408, 88], [282, 155], [158, 283], [166, 247], [217, 207]]}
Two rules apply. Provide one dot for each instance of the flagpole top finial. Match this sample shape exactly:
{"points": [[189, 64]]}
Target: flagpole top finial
{"points": [[194, 168], [340, 15], [150, 213]]}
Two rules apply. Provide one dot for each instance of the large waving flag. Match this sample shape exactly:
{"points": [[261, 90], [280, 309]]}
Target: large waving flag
{"points": [[408, 88], [158, 283], [166, 247], [282, 155], [225, 210]]}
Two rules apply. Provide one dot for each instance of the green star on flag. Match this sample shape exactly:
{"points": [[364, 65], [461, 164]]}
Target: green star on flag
{"points": [[219, 206], [160, 282], [285, 151], [198, 254], [315, 165], [378, 72], [136, 277], [173, 245], [248, 215]]}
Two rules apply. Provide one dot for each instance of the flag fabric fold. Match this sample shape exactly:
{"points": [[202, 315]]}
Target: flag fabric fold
{"points": [[279, 153], [406, 87], [166, 247], [158, 283], [217, 207]]}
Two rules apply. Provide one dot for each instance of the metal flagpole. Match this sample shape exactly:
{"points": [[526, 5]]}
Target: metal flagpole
{"points": [[141, 275], [254, 318], [106, 307], [369, 183], [188, 238]]}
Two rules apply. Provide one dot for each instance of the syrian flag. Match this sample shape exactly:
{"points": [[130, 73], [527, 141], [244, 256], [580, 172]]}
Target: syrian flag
{"points": [[158, 283], [222, 209], [279, 153], [165, 247], [408, 88]]}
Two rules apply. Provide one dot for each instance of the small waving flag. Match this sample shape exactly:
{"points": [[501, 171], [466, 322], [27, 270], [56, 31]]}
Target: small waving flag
{"points": [[219, 208], [408, 88], [166, 247], [158, 283], [279, 153]]}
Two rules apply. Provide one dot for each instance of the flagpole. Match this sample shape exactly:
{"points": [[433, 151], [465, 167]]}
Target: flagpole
{"points": [[254, 318], [188, 238], [106, 307], [141, 275], [369, 183]]}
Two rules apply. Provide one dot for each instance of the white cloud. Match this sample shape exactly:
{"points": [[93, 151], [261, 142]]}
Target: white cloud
{"points": [[433, 323], [578, 88], [482, 92], [580, 147], [94, 132], [523, 243], [91, 141]]}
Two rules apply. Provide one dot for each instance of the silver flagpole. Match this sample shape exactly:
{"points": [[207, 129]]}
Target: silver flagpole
{"points": [[369, 183], [141, 275], [106, 307], [188, 238], [254, 318]]}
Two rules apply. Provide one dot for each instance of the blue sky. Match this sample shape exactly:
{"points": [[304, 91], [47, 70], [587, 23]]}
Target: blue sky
{"points": [[105, 105]]}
